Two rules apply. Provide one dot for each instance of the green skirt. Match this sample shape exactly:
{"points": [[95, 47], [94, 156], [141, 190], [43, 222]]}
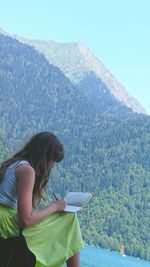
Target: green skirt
{"points": [[53, 241]]}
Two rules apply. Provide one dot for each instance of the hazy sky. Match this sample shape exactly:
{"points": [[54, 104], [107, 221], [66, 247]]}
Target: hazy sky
{"points": [[117, 32]]}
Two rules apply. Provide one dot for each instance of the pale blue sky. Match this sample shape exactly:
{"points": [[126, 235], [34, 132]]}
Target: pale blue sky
{"points": [[116, 31]]}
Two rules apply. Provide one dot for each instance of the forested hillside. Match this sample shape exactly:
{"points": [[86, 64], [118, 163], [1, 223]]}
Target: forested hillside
{"points": [[4, 150], [36, 95], [107, 152], [117, 172]]}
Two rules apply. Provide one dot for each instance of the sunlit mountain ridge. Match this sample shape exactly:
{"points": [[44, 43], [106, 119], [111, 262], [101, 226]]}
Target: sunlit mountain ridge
{"points": [[77, 61]]}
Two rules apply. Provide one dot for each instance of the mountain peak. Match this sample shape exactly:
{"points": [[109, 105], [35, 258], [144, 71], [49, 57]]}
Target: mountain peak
{"points": [[3, 32], [76, 60]]}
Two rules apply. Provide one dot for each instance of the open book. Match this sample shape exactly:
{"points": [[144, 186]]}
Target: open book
{"points": [[76, 201]]}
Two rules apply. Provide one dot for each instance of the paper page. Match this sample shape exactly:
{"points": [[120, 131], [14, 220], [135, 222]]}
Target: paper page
{"points": [[72, 208], [78, 199]]}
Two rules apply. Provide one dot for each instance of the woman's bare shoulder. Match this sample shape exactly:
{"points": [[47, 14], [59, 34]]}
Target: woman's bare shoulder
{"points": [[24, 170]]}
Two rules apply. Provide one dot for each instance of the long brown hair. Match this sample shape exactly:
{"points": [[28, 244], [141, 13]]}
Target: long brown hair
{"points": [[39, 151]]}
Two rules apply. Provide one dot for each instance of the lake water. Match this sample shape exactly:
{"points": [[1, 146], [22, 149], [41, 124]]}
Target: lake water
{"points": [[97, 257]]}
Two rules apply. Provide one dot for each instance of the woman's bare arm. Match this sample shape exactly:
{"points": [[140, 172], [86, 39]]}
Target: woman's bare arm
{"points": [[25, 175]]}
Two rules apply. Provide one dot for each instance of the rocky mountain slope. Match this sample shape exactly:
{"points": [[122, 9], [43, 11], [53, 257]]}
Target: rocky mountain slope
{"points": [[77, 61]]}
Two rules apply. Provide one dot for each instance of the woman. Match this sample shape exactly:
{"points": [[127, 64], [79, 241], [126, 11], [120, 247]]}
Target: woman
{"points": [[51, 234]]}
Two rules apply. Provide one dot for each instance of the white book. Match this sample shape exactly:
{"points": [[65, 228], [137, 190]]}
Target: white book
{"points": [[76, 201]]}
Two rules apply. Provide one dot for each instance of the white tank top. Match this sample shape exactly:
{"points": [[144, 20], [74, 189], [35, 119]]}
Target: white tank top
{"points": [[8, 186]]}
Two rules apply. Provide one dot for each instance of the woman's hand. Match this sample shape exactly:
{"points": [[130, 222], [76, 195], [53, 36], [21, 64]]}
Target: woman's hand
{"points": [[60, 205]]}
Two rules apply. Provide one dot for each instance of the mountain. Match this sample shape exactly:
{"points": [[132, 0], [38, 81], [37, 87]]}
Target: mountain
{"points": [[77, 62], [106, 154]]}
